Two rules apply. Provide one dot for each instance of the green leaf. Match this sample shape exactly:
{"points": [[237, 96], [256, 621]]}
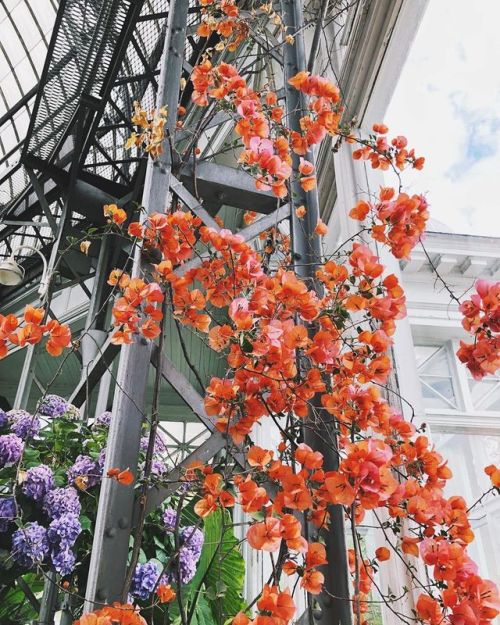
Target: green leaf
{"points": [[221, 567]]}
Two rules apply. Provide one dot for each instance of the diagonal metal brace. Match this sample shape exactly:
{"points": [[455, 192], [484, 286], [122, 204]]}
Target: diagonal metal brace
{"points": [[192, 203]]}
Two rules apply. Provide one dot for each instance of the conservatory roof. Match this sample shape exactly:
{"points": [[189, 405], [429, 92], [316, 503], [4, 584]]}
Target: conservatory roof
{"points": [[26, 27]]}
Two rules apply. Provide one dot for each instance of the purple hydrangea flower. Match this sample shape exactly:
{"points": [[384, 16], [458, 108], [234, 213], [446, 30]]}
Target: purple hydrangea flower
{"points": [[103, 419], [144, 580], [170, 518], [11, 449], [30, 545], [158, 467], [86, 467], [187, 565], [63, 560], [3, 418], [64, 531], [23, 424], [62, 501], [101, 459], [192, 538], [39, 481], [160, 445], [52, 406], [8, 511]]}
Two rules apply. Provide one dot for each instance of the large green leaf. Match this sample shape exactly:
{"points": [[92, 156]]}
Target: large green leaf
{"points": [[215, 593], [221, 569]]}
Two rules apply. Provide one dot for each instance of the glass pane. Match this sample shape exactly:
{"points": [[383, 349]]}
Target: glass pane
{"points": [[422, 352], [436, 391], [467, 455], [485, 394], [438, 363]]}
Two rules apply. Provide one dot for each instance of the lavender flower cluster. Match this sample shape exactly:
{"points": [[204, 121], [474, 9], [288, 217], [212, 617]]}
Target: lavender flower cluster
{"points": [[103, 420], [144, 580], [61, 501], [23, 424], [39, 481], [4, 419], [32, 544], [84, 466], [52, 406], [191, 539], [190, 545], [8, 512], [11, 449]]}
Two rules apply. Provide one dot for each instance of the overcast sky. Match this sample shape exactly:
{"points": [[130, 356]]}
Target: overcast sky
{"points": [[448, 105]]}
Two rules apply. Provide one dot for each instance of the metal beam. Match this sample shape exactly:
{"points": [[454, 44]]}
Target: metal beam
{"points": [[114, 516], [332, 608], [107, 354], [192, 203], [221, 184], [183, 387]]}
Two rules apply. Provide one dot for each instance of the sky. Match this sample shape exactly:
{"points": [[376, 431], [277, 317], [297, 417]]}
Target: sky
{"points": [[447, 103]]}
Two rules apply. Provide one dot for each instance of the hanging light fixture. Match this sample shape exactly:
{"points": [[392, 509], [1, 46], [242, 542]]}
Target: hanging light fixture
{"points": [[12, 273]]}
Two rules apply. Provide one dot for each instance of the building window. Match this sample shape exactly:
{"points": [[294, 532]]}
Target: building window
{"points": [[435, 374], [485, 393]]}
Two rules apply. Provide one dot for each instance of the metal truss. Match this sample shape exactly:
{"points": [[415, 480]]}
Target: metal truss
{"points": [[119, 52]]}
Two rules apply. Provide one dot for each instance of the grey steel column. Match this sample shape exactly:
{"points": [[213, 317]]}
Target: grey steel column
{"points": [[49, 600], [94, 335], [306, 251], [114, 517]]}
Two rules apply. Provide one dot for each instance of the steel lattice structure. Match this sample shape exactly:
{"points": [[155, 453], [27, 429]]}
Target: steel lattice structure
{"points": [[103, 56]]}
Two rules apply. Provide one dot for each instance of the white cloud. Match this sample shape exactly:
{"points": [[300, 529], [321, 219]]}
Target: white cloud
{"points": [[448, 105]]}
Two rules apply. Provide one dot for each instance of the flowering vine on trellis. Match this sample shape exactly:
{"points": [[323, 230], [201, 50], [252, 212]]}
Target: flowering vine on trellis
{"points": [[284, 345]]}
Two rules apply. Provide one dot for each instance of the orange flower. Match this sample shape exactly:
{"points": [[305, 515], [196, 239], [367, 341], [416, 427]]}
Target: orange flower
{"points": [[360, 211], [33, 315], [410, 545], [494, 474], [265, 535], [382, 554], [300, 211], [308, 183], [321, 228], [258, 457], [165, 593], [241, 619], [305, 167], [114, 214], [125, 477], [312, 581], [428, 609]]}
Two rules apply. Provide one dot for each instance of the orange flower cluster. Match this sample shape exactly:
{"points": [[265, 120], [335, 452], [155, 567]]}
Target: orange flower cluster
{"points": [[114, 215], [213, 495], [32, 332], [116, 614], [268, 144], [264, 338], [383, 154], [399, 222], [137, 309], [482, 319], [223, 18], [276, 608]]}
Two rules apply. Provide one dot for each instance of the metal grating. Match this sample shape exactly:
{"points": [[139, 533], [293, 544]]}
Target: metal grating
{"points": [[81, 54]]}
